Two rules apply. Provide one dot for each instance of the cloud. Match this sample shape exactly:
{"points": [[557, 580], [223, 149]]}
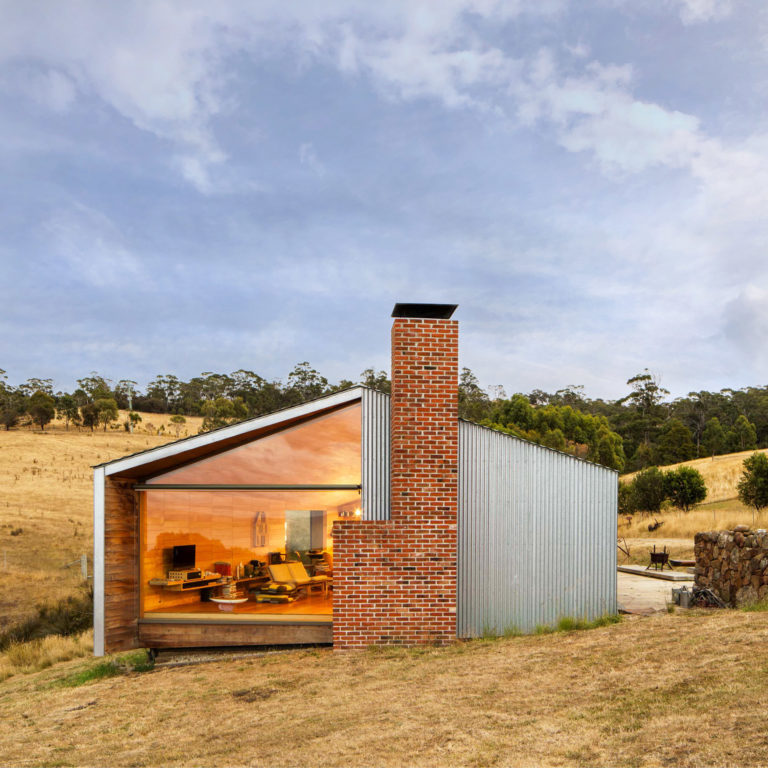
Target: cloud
{"points": [[86, 249], [49, 88], [595, 112], [308, 157], [698, 11], [53, 90], [745, 321], [157, 68], [163, 68]]}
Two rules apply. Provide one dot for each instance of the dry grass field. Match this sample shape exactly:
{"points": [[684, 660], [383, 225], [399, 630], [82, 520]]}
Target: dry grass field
{"points": [[722, 510], [667, 690], [46, 504], [720, 473]]}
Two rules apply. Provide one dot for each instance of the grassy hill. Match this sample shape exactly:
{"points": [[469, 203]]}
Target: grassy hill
{"points": [[720, 473], [721, 510], [672, 689], [46, 506]]}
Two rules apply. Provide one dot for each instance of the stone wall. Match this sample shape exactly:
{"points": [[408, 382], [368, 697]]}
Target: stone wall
{"points": [[733, 564]]}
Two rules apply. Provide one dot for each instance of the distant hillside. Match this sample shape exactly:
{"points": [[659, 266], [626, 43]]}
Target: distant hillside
{"points": [[721, 473], [46, 506]]}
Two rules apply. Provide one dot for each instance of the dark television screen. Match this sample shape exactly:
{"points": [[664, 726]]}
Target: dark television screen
{"points": [[183, 557]]}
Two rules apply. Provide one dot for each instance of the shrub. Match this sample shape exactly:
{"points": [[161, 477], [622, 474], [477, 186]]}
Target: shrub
{"points": [[753, 485], [627, 499], [684, 487], [649, 489], [69, 616]]}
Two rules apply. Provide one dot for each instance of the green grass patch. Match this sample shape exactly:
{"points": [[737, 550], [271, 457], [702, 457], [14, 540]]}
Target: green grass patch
{"points": [[96, 672], [569, 624], [758, 607], [135, 661], [564, 624]]}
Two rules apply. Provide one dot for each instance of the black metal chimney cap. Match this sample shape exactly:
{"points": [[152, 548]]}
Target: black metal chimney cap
{"points": [[432, 311]]}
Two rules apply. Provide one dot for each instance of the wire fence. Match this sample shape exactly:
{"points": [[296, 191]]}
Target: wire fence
{"points": [[81, 564]]}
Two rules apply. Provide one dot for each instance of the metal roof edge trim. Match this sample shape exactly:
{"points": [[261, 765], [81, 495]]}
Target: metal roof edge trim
{"points": [[175, 447], [539, 445]]}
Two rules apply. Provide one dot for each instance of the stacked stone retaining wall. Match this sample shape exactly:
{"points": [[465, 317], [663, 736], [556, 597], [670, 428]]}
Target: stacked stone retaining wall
{"points": [[733, 564]]}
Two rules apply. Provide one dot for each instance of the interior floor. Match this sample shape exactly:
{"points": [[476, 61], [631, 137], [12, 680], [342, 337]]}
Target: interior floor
{"points": [[312, 607]]}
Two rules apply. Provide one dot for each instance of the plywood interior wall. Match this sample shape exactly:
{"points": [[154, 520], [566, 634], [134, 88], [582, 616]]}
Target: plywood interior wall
{"points": [[221, 526]]}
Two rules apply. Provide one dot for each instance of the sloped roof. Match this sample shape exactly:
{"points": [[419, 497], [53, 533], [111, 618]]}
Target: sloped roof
{"points": [[195, 447], [192, 448]]}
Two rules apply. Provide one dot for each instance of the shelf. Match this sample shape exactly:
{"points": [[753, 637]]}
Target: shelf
{"points": [[206, 583], [186, 586]]}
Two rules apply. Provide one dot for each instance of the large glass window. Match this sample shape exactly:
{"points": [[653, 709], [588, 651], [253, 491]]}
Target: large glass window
{"points": [[249, 554], [324, 451]]}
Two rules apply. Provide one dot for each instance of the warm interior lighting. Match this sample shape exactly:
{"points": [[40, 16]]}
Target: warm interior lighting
{"points": [[235, 528]]}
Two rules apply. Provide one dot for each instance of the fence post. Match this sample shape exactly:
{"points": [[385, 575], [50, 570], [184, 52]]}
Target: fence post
{"points": [[84, 566]]}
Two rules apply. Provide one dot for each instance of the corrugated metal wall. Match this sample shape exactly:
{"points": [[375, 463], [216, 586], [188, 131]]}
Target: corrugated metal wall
{"points": [[375, 455], [537, 535]]}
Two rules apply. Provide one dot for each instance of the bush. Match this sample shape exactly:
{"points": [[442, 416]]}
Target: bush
{"points": [[69, 616], [684, 487], [753, 486], [649, 489], [627, 499]]}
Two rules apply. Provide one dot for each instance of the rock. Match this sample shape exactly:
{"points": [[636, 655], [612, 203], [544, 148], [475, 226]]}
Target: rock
{"points": [[741, 528], [738, 539]]}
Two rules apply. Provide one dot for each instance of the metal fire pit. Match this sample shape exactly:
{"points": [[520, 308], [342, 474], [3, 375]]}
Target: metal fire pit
{"points": [[659, 560]]}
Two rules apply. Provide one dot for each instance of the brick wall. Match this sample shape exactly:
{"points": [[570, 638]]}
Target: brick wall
{"points": [[395, 580]]}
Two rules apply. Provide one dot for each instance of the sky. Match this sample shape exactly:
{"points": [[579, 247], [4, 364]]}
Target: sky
{"points": [[189, 186]]}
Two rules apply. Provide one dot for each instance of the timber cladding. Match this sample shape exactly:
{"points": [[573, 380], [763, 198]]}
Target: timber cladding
{"points": [[199, 635], [121, 565]]}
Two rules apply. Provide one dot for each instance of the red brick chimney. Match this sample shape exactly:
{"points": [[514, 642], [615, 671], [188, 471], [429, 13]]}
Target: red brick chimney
{"points": [[395, 580], [424, 411]]}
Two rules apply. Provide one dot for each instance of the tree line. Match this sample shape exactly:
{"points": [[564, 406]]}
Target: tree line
{"points": [[641, 429]]}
